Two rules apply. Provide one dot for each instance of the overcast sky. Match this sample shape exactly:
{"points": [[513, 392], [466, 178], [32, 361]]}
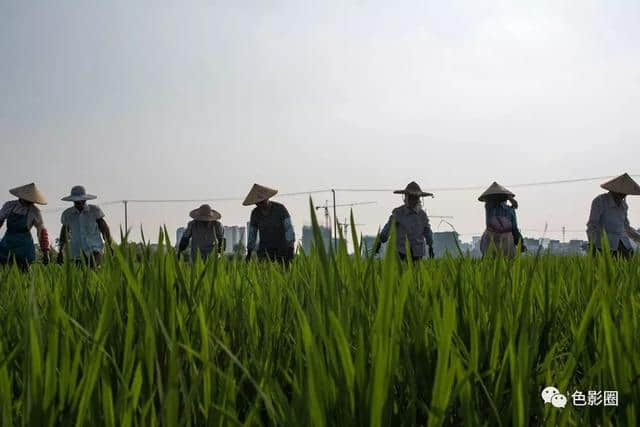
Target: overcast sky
{"points": [[153, 99]]}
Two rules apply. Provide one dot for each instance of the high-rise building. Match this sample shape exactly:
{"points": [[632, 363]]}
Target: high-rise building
{"points": [[235, 237], [179, 233], [446, 242], [367, 243], [307, 237]]}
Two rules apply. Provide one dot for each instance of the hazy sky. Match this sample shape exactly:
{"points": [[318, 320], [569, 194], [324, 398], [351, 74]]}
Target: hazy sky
{"points": [[153, 99]]}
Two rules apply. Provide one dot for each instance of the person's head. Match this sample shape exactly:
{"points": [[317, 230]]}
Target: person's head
{"points": [[411, 200], [263, 204], [496, 199], [80, 204], [26, 203], [618, 197]]}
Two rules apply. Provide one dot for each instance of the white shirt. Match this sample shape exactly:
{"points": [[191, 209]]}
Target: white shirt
{"points": [[83, 226]]}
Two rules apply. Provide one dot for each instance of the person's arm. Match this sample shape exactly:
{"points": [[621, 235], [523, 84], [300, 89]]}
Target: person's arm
{"points": [[386, 230], [289, 233], [515, 231], [252, 237], [595, 220], [4, 213], [428, 237], [184, 241], [222, 242], [487, 215], [64, 235], [104, 230], [384, 235], [633, 234], [102, 224], [43, 237]]}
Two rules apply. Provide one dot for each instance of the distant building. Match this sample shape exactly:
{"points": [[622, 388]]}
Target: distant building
{"points": [[532, 245], [307, 238], [475, 242], [446, 242], [576, 247], [235, 237], [367, 244], [466, 248], [554, 247], [475, 247], [544, 242]]}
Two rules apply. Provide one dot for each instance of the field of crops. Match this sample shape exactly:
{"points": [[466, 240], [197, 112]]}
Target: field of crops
{"points": [[333, 340]]}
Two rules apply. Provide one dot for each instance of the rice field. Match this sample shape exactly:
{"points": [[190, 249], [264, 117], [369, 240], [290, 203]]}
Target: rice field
{"points": [[334, 340]]}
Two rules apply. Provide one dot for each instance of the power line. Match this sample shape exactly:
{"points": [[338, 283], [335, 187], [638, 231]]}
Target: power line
{"points": [[479, 187]]}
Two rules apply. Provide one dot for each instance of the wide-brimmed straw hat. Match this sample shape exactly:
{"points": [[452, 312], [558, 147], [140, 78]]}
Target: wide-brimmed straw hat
{"points": [[259, 193], [205, 213], [78, 193], [30, 193], [495, 189], [623, 184], [413, 189]]}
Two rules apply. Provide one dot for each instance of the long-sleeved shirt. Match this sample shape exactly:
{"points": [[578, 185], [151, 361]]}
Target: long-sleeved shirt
{"points": [[503, 210], [608, 216], [205, 237], [274, 227], [411, 224]]}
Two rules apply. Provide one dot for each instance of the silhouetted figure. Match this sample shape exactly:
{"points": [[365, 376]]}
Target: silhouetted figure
{"points": [[609, 215], [412, 224], [271, 222], [21, 216]]}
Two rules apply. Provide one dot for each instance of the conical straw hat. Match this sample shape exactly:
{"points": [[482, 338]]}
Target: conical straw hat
{"points": [[494, 190], [623, 184], [205, 213], [30, 193], [258, 194], [413, 189]]}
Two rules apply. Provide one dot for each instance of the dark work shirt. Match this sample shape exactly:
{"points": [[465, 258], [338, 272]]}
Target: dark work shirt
{"points": [[275, 231]]}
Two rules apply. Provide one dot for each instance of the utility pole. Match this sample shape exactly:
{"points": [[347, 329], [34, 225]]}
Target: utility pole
{"points": [[335, 220], [126, 217], [564, 229], [327, 218]]}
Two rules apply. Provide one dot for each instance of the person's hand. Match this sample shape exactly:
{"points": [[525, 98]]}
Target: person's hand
{"points": [[431, 253], [46, 258], [376, 247], [60, 258]]}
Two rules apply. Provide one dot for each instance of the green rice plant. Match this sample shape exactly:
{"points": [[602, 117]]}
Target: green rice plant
{"points": [[332, 339]]}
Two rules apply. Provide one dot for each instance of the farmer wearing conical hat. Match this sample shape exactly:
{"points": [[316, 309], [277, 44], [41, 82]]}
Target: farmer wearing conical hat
{"points": [[412, 224], [84, 228], [501, 222], [205, 232], [609, 214], [21, 215], [271, 222]]}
